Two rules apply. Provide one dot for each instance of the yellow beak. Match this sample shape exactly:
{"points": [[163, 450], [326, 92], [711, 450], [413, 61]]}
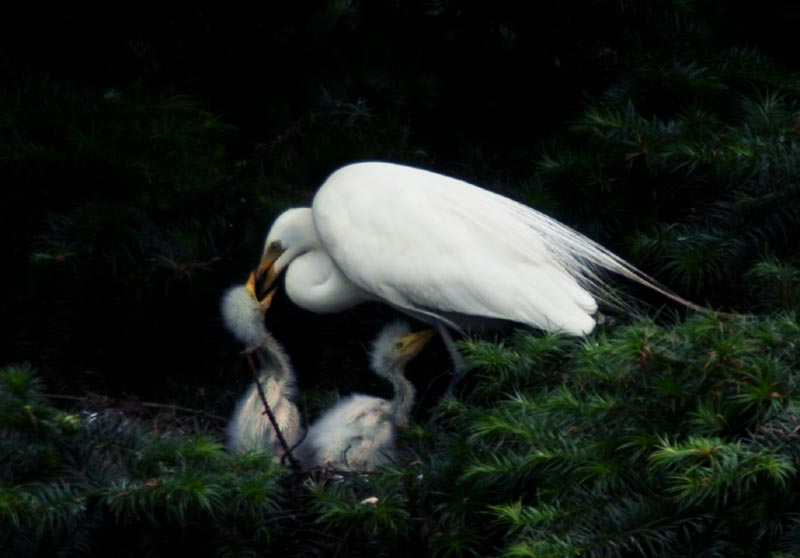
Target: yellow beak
{"points": [[415, 341], [251, 284], [264, 276]]}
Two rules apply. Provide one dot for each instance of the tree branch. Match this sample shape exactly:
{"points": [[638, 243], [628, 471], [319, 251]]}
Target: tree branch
{"points": [[295, 464]]}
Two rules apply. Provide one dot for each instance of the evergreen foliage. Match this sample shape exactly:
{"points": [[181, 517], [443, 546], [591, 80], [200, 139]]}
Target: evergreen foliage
{"points": [[651, 440], [692, 160], [643, 441], [97, 483]]}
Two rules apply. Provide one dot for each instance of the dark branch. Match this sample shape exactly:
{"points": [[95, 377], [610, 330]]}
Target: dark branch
{"points": [[295, 464]]}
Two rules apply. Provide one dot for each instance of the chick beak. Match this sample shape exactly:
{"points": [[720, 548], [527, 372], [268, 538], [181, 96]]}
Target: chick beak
{"points": [[264, 276], [252, 286], [418, 340]]}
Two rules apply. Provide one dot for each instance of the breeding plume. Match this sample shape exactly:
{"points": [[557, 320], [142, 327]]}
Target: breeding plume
{"points": [[249, 427], [359, 432]]}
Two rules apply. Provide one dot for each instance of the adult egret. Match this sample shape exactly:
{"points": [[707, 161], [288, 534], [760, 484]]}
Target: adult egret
{"points": [[249, 427], [358, 433], [438, 249]]}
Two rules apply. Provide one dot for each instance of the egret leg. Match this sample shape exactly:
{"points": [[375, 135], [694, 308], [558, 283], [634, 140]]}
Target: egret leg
{"points": [[459, 367]]}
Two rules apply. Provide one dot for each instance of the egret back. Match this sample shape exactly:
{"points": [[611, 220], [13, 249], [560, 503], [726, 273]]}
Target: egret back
{"points": [[437, 246]]}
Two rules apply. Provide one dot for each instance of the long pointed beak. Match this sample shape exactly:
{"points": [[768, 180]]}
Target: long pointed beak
{"points": [[264, 276]]}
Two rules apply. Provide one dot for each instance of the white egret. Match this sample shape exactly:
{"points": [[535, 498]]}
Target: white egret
{"points": [[439, 249], [358, 433], [249, 427]]}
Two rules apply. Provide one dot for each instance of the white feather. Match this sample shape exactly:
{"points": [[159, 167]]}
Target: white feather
{"points": [[441, 250], [358, 433], [249, 427], [434, 245], [243, 316]]}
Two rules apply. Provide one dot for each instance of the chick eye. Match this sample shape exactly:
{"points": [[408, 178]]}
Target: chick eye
{"points": [[398, 345]]}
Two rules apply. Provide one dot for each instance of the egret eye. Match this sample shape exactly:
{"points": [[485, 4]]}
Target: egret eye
{"points": [[275, 246]]}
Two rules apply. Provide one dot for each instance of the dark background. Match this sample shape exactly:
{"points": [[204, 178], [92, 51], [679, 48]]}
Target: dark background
{"points": [[161, 205], [499, 73]]}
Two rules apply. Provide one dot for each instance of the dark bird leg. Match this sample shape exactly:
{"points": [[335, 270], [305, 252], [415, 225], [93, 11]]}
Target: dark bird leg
{"points": [[459, 367]]}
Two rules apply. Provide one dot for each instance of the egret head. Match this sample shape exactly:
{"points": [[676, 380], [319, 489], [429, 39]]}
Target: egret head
{"points": [[394, 346], [291, 234]]}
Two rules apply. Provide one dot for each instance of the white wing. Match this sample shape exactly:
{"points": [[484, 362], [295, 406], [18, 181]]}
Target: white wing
{"points": [[435, 245]]}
